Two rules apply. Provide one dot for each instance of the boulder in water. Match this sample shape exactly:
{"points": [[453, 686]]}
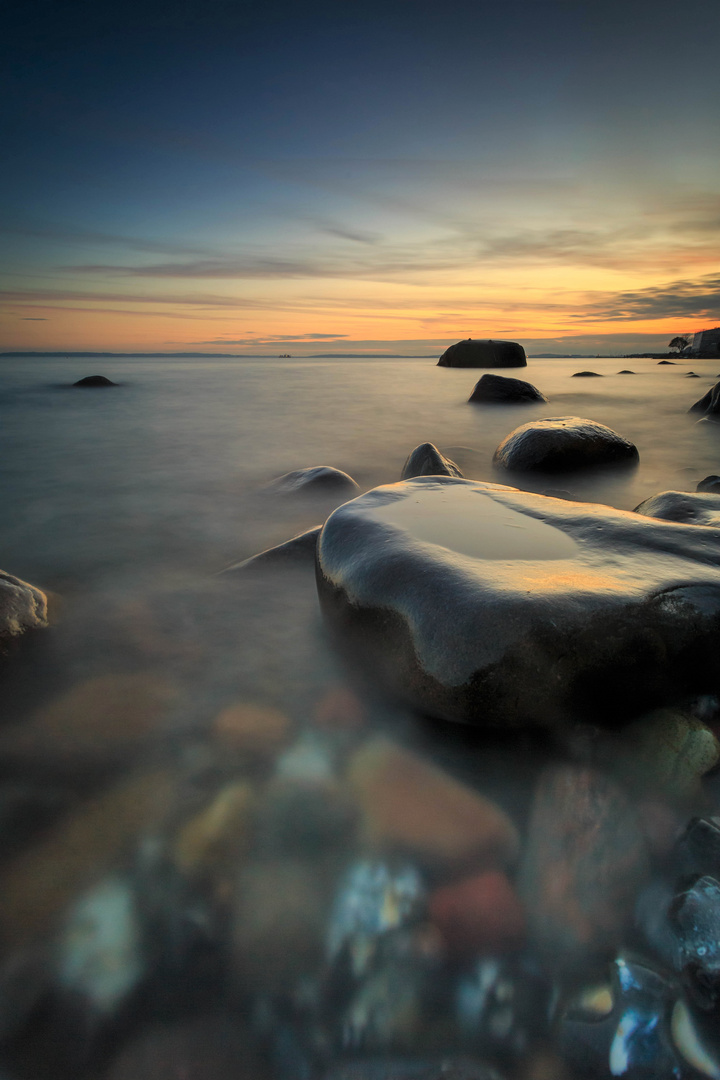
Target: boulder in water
{"points": [[317, 479], [298, 549], [498, 389], [692, 508], [561, 444], [709, 404], [94, 380], [586, 375], [710, 483], [426, 460], [483, 352], [481, 603]]}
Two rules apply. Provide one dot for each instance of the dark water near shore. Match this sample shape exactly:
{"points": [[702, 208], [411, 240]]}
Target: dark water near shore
{"points": [[123, 504]]}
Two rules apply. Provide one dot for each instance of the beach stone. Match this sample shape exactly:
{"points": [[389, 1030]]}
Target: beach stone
{"points": [[585, 859], [426, 460], [708, 404], [298, 549], [249, 729], [563, 443], [710, 483], [479, 915], [214, 839], [208, 1048], [411, 805], [482, 603], [339, 709], [104, 721], [22, 607], [692, 508], [317, 479], [483, 353], [501, 390], [279, 922], [86, 845], [586, 375], [94, 380]]}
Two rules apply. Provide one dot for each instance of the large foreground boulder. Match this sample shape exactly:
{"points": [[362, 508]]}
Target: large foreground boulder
{"points": [[483, 352], [561, 444], [499, 390], [485, 604], [22, 607]]}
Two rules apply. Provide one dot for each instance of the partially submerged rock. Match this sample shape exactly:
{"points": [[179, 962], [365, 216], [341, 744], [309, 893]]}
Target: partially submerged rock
{"points": [[94, 380], [483, 352], [426, 460], [315, 479], [482, 603], [708, 404], [561, 444], [298, 549], [710, 483], [586, 375], [498, 389], [692, 508], [22, 607]]}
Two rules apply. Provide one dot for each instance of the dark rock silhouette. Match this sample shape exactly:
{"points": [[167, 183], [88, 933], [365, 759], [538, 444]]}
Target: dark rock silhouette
{"points": [[482, 603], [94, 380], [426, 460], [498, 389], [315, 479], [710, 483], [298, 549], [692, 508], [586, 375], [483, 352], [561, 444], [671, 362], [709, 404]]}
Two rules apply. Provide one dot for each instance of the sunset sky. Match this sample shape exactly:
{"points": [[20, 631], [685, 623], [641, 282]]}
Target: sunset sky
{"points": [[230, 176]]}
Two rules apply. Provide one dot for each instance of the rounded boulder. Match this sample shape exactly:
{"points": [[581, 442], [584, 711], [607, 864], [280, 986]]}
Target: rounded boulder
{"points": [[562, 444]]}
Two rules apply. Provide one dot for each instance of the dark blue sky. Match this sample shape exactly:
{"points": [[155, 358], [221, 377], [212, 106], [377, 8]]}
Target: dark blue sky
{"points": [[267, 158]]}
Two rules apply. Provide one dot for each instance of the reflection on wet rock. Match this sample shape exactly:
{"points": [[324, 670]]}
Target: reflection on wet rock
{"points": [[426, 460], [633, 1039], [692, 508], [373, 899], [409, 804], [100, 948], [499, 607], [584, 861], [503, 1005], [562, 444], [480, 914], [695, 918]]}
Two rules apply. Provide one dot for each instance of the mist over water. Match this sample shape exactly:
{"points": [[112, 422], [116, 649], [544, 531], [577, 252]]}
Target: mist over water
{"points": [[124, 504]]}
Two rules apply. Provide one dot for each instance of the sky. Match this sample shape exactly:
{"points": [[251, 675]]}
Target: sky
{"points": [[243, 177]]}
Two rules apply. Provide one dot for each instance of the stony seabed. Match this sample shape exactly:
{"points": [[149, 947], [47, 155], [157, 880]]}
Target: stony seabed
{"points": [[349, 887]]}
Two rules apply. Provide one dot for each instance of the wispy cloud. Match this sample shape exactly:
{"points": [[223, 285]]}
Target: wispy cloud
{"points": [[699, 299]]}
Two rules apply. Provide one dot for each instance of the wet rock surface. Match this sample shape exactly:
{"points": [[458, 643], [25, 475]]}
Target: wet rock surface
{"points": [[483, 352], [710, 483], [482, 603], [426, 460], [316, 479], [563, 444], [499, 389], [692, 508], [297, 549]]}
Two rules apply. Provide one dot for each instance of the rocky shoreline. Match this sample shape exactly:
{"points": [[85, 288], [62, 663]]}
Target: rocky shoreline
{"points": [[340, 884]]}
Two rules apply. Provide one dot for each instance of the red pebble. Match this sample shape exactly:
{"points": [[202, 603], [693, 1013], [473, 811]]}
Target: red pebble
{"points": [[480, 914]]}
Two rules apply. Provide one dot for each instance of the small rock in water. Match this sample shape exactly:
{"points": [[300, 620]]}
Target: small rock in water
{"points": [[94, 380], [695, 918], [426, 460], [561, 444], [481, 914], [298, 549], [692, 508], [373, 899], [100, 953], [585, 859], [586, 375], [409, 804], [316, 479], [498, 389], [710, 483]]}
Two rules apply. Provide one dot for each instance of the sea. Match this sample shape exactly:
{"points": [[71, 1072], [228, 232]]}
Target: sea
{"points": [[126, 504]]}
